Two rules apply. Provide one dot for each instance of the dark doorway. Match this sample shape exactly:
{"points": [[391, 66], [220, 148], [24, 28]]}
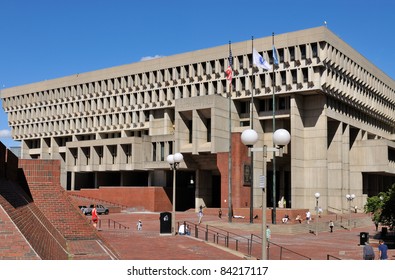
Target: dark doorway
{"points": [[84, 180], [185, 190], [286, 192], [216, 191]]}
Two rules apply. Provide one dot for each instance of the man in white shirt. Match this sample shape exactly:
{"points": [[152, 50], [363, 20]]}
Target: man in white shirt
{"points": [[181, 229], [308, 217]]}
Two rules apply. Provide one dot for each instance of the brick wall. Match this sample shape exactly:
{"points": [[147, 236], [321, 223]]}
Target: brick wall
{"points": [[30, 221], [152, 199], [41, 171], [37, 218], [43, 178], [13, 245], [240, 193], [25, 217]]}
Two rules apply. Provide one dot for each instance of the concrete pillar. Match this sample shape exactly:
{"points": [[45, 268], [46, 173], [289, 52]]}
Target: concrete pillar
{"points": [[72, 181]]}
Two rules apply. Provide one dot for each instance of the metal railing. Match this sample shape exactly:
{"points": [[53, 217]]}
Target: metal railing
{"points": [[330, 257], [221, 237], [251, 246], [275, 251], [111, 224], [335, 209]]}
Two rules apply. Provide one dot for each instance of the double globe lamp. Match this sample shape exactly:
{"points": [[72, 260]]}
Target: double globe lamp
{"points": [[281, 138]]}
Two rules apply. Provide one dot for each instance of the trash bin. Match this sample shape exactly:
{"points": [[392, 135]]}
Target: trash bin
{"points": [[363, 238], [165, 223], [384, 231]]}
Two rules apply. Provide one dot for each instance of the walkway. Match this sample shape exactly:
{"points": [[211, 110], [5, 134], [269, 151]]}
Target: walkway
{"points": [[148, 244]]}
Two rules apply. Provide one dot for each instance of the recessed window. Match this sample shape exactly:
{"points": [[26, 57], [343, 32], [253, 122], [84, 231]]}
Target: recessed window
{"points": [[292, 53], [303, 51], [314, 49]]}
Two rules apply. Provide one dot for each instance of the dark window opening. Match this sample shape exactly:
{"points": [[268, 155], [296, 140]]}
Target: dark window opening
{"points": [[303, 51], [283, 78], [314, 49], [208, 126], [244, 107], [294, 76], [305, 75], [292, 53], [153, 151], [162, 151], [281, 55], [190, 131], [391, 154]]}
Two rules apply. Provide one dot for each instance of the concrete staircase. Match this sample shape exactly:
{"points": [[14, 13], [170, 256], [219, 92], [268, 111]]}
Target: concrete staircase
{"points": [[340, 222]]}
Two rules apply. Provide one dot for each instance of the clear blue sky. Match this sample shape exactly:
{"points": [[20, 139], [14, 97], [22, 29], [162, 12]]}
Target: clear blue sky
{"points": [[46, 39]]}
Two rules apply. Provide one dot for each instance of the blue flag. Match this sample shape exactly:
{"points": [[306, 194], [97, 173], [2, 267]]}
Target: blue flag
{"points": [[275, 57]]}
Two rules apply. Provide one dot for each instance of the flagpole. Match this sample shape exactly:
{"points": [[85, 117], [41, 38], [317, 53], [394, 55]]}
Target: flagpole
{"points": [[230, 210], [274, 129], [252, 154], [260, 62]]}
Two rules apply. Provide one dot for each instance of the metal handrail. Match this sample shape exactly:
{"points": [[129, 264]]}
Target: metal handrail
{"points": [[328, 257], [334, 208], [282, 248], [113, 223], [214, 234]]}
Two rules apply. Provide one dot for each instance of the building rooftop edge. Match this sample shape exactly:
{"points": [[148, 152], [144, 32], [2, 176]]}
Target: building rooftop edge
{"points": [[190, 57]]}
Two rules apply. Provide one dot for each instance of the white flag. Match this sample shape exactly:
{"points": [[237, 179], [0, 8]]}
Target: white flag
{"points": [[260, 61]]}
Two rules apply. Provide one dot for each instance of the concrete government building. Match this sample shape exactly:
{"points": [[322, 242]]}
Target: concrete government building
{"points": [[116, 126]]}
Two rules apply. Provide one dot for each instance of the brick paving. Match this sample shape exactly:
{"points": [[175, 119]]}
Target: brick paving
{"points": [[148, 244]]}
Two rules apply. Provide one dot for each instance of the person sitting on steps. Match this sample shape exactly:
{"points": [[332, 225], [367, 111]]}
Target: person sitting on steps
{"points": [[298, 218]]}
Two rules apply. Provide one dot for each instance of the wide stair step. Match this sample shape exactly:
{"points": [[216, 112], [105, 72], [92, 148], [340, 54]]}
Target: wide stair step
{"points": [[322, 225]]}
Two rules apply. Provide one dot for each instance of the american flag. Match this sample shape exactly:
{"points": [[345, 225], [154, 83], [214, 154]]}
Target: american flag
{"points": [[229, 71], [229, 74]]}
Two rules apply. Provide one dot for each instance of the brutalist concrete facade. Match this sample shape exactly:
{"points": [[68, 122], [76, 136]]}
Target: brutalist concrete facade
{"points": [[116, 126]]}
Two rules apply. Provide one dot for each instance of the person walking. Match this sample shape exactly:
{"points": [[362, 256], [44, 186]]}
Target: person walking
{"points": [[95, 217], [319, 212], [383, 250], [331, 225], [308, 217], [139, 225], [368, 252], [268, 234], [376, 224], [200, 214]]}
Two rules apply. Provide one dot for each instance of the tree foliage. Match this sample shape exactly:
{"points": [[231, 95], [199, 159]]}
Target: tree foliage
{"points": [[388, 211], [382, 207]]}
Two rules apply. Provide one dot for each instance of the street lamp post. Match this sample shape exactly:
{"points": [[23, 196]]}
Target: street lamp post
{"points": [[281, 138], [249, 137], [317, 196], [349, 197], [174, 161]]}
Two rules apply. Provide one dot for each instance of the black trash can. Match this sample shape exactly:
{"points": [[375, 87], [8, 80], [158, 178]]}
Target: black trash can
{"points": [[165, 223], [363, 238]]}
